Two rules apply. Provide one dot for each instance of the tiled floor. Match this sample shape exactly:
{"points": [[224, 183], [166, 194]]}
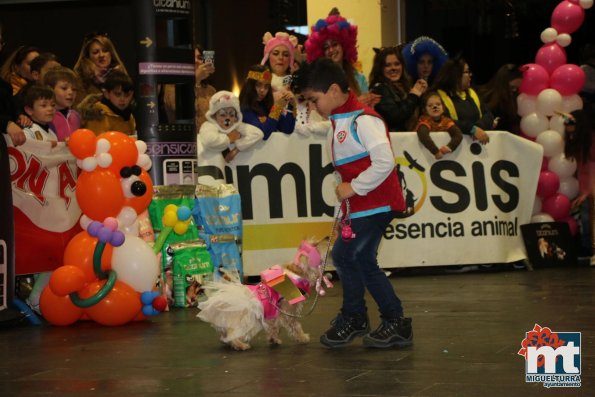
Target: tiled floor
{"points": [[468, 329]]}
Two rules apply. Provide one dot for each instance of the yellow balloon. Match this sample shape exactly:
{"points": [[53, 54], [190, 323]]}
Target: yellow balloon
{"points": [[181, 228], [170, 219], [170, 207]]}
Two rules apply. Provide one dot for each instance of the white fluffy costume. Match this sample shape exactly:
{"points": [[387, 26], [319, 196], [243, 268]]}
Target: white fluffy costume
{"points": [[214, 137]]}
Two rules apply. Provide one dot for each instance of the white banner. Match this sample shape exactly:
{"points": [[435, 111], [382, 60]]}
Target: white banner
{"points": [[465, 208], [43, 184]]}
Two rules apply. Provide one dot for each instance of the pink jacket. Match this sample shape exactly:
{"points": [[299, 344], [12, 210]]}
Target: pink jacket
{"points": [[64, 126]]}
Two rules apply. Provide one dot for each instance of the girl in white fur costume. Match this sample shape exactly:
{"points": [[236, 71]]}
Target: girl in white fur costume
{"points": [[224, 130]]}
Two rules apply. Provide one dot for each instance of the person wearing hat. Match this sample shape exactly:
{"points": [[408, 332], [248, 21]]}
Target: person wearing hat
{"points": [[279, 56], [223, 130], [423, 58], [260, 109], [335, 38]]}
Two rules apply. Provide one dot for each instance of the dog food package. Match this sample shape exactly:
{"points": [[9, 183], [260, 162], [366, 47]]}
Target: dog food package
{"points": [[192, 268], [218, 210], [180, 195], [225, 253]]}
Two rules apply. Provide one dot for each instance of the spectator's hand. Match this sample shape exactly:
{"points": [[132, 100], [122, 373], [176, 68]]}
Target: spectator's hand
{"points": [[284, 97], [419, 87], [481, 136], [438, 155], [24, 121], [234, 136], [344, 191], [16, 133], [577, 202], [445, 150], [203, 71], [369, 99], [231, 155]]}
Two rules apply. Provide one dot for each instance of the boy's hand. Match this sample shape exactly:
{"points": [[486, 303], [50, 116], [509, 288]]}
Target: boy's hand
{"points": [[234, 136], [481, 136], [24, 121], [344, 191], [16, 133]]}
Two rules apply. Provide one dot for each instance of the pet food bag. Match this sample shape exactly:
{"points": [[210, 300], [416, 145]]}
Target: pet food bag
{"points": [[225, 253], [218, 210], [192, 268], [180, 195]]}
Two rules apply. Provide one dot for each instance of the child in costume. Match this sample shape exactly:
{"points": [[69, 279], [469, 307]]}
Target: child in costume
{"points": [[433, 119], [260, 109], [224, 130], [370, 197]]}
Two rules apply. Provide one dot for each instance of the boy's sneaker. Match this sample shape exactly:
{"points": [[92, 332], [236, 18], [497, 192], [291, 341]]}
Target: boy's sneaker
{"points": [[343, 330], [395, 332]]}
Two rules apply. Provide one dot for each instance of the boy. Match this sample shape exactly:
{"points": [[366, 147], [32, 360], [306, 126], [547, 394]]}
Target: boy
{"points": [[67, 120], [111, 110], [224, 130], [370, 195], [41, 108]]}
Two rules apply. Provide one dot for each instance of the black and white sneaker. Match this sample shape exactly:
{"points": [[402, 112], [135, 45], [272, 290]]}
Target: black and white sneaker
{"points": [[395, 332], [343, 330]]}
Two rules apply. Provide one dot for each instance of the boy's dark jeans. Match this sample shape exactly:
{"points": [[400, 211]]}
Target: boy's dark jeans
{"points": [[357, 267]]}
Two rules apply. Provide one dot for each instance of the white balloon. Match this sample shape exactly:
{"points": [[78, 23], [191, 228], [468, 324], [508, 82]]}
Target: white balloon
{"points": [[136, 264], [104, 160], [533, 124], [551, 141], [141, 146], [571, 103], [548, 35], [569, 187], [549, 101], [541, 217], [103, 146], [562, 166], [564, 39], [127, 216], [85, 221], [557, 123], [526, 104], [586, 4], [88, 164], [536, 205]]}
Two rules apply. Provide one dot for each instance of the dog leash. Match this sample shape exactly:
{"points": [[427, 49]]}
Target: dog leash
{"points": [[346, 234]]}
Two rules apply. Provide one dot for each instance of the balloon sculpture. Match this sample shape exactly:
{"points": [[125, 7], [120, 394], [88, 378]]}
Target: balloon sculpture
{"points": [[549, 89], [109, 273]]}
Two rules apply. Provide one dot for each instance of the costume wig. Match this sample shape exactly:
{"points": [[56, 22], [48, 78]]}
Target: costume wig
{"points": [[333, 27], [420, 46]]}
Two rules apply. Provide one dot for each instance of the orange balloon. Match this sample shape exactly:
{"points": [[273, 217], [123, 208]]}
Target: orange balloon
{"points": [[79, 253], [58, 310], [119, 307], [141, 203], [99, 194], [82, 143], [66, 280], [123, 150]]}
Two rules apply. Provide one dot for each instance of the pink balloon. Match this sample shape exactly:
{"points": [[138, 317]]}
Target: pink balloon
{"points": [[558, 206], [535, 79], [572, 225], [547, 184], [550, 56], [567, 17], [544, 164], [567, 79]]}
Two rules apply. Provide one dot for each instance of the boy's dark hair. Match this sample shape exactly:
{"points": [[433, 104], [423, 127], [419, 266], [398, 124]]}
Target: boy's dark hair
{"points": [[115, 79], [60, 73], [36, 92], [319, 76], [41, 60]]}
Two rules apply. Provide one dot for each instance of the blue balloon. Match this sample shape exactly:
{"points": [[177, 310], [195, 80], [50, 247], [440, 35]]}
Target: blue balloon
{"points": [[183, 213]]}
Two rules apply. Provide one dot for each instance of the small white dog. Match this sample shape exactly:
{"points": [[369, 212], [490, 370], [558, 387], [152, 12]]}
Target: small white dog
{"points": [[239, 312]]}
